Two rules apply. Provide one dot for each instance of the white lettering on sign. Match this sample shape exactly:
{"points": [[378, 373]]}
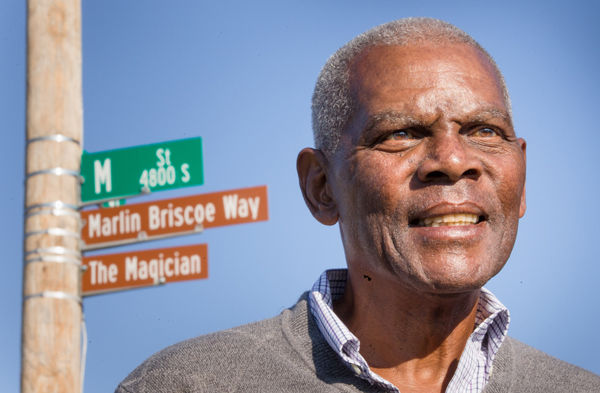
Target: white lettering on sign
{"points": [[180, 215], [235, 206], [186, 174], [102, 175], [164, 156], [124, 222], [164, 173], [158, 177], [184, 265], [176, 217], [102, 274]]}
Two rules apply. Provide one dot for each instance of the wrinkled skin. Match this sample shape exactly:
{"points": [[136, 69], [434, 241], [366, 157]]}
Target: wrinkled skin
{"points": [[430, 135]]}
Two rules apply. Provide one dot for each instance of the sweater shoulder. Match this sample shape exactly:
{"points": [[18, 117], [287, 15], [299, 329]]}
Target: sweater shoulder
{"points": [[206, 362], [532, 370]]}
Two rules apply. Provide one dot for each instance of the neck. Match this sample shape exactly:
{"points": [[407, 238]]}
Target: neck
{"points": [[412, 339]]}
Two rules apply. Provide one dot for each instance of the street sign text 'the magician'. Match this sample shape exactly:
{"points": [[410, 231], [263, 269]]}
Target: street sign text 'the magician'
{"points": [[135, 269], [119, 173]]}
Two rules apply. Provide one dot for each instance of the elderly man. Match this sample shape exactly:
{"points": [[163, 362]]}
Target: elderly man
{"points": [[417, 161]]}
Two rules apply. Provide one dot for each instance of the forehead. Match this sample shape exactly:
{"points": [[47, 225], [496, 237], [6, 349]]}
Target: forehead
{"points": [[424, 79]]}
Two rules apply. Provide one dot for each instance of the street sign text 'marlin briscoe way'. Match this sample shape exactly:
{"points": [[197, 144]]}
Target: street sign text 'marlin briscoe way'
{"points": [[172, 217], [119, 173]]}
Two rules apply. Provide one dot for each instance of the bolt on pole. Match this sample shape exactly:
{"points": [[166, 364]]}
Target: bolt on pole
{"points": [[52, 309]]}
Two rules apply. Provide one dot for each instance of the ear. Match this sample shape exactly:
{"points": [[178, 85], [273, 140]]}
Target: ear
{"points": [[523, 205], [312, 174]]}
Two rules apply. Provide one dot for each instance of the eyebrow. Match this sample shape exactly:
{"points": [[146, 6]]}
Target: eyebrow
{"points": [[486, 114], [406, 120], [397, 117]]}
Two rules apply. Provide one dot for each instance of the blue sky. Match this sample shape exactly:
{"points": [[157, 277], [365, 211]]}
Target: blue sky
{"points": [[240, 75]]}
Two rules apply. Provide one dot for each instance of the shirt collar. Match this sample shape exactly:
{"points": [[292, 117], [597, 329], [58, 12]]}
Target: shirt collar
{"points": [[475, 365]]}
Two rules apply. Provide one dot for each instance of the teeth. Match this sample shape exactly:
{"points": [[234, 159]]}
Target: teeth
{"points": [[449, 220]]}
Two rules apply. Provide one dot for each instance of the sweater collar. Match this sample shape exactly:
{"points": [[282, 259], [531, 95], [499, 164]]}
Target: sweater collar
{"points": [[475, 365]]}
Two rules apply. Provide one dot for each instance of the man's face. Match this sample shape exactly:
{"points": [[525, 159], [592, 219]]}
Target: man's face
{"points": [[429, 176]]}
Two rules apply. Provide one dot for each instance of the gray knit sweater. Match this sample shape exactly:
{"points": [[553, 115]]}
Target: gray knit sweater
{"points": [[288, 354]]}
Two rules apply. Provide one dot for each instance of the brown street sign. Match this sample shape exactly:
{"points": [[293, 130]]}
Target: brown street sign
{"points": [[171, 217], [136, 269]]}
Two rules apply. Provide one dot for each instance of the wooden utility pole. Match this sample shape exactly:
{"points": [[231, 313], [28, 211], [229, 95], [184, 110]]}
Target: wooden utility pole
{"points": [[52, 314]]}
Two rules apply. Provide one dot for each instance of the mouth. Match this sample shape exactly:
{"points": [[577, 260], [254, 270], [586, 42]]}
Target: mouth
{"points": [[455, 219]]}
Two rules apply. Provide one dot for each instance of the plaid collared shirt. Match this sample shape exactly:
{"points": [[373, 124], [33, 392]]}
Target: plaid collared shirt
{"points": [[474, 367]]}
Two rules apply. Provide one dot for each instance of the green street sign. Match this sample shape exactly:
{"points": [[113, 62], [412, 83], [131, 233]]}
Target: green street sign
{"points": [[114, 203], [119, 173]]}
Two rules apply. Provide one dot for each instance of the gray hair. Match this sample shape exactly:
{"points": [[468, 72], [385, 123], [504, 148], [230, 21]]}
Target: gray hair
{"points": [[332, 105]]}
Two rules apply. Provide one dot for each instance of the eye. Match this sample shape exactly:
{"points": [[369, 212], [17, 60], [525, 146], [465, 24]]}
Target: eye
{"points": [[395, 140], [399, 135], [485, 132]]}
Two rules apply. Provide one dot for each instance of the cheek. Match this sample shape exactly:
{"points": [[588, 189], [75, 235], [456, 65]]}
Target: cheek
{"points": [[370, 197], [509, 187], [383, 180], [507, 181]]}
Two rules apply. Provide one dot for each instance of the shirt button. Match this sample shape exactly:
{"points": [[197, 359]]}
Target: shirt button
{"points": [[356, 369]]}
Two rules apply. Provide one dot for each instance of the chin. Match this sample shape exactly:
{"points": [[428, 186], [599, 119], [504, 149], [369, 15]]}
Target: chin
{"points": [[440, 286], [457, 276]]}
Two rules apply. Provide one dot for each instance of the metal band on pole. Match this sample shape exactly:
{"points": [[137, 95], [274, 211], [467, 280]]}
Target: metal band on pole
{"points": [[53, 205], [53, 250], [53, 295], [55, 208], [53, 212], [54, 259], [54, 232], [54, 138], [58, 171]]}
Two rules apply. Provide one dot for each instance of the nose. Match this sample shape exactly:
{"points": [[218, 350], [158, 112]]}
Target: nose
{"points": [[449, 159]]}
